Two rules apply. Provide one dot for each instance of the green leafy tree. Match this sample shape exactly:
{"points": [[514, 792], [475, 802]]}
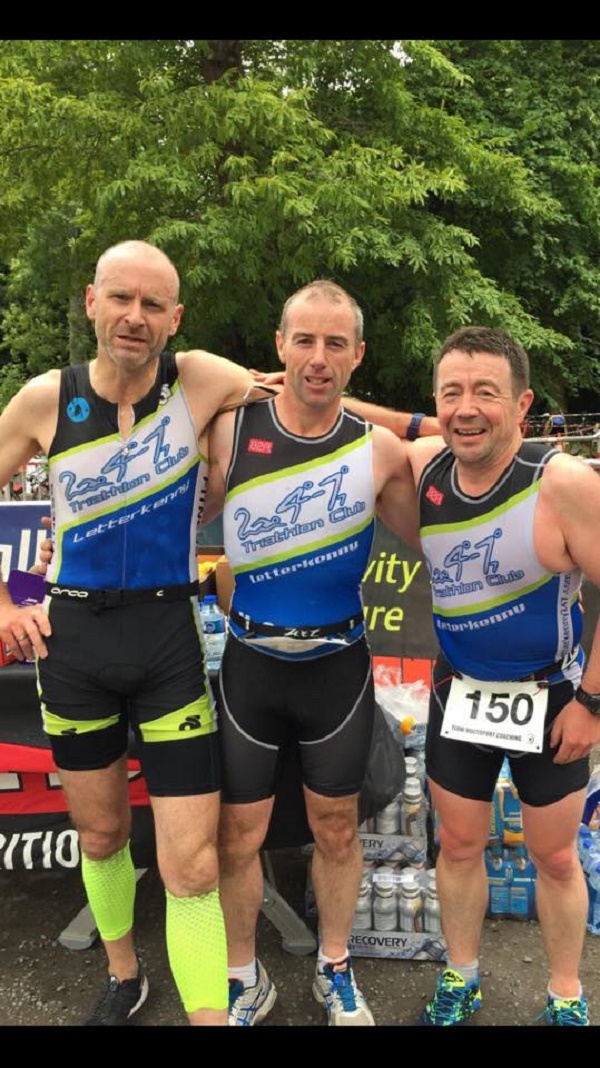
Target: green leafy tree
{"points": [[258, 166]]}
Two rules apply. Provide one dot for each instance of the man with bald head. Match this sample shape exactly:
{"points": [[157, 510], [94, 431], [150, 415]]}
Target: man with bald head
{"points": [[117, 642]]}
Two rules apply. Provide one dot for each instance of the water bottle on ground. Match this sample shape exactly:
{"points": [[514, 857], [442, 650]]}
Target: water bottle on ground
{"points": [[385, 911], [387, 820], [214, 626], [432, 916], [498, 884], [363, 912], [591, 808], [414, 809], [411, 906]]}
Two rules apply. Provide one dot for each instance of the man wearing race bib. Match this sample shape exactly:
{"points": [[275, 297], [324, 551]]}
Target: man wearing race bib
{"points": [[507, 528]]}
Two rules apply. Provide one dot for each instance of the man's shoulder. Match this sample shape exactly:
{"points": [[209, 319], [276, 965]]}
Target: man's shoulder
{"points": [[43, 387]]}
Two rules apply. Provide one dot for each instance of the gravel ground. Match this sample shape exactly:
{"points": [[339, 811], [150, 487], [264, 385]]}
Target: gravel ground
{"points": [[44, 984]]}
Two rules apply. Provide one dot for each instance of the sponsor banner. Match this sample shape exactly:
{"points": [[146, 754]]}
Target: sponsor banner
{"points": [[397, 600], [49, 842]]}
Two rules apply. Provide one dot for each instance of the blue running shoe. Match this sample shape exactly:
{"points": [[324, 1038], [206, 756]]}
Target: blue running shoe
{"points": [[248, 1005], [453, 1003], [335, 988], [566, 1012]]}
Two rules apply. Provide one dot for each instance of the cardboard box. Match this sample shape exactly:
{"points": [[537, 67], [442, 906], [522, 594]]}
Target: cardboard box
{"points": [[225, 583], [398, 945]]}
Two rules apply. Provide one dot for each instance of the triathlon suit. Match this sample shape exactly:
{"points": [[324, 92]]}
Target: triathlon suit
{"points": [[499, 614], [126, 647], [298, 527]]}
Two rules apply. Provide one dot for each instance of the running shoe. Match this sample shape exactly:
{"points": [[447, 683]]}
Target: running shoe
{"points": [[248, 1005], [119, 1001], [335, 988], [566, 1012], [453, 1003]]}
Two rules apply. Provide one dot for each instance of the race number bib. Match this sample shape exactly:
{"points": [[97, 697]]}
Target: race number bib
{"points": [[509, 715]]}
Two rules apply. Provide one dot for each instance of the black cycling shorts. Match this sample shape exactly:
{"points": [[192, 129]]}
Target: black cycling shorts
{"points": [[131, 679], [471, 770], [325, 705]]}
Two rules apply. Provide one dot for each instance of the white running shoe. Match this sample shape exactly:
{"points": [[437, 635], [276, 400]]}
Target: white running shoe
{"points": [[248, 1005], [338, 992]]}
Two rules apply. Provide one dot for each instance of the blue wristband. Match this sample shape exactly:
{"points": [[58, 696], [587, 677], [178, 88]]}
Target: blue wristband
{"points": [[414, 426]]}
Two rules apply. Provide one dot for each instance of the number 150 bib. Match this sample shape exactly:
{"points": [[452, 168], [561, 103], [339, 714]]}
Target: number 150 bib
{"points": [[509, 715]]}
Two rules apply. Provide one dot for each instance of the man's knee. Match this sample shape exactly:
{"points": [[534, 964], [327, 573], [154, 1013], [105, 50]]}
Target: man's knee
{"points": [[189, 872], [335, 830], [103, 841], [242, 831], [559, 865], [461, 842]]}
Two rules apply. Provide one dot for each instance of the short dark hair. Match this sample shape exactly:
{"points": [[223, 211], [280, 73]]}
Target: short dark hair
{"points": [[485, 339], [322, 287]]}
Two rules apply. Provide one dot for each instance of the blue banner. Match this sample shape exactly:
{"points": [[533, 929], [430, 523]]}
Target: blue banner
{"points": [[20, 534]]}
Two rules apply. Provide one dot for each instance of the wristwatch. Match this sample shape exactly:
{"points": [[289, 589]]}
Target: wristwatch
{"points": [[591, 701], [414, 426]]}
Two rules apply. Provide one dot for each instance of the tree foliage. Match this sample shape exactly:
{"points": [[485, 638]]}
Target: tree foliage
{"points": [[433, 180]]}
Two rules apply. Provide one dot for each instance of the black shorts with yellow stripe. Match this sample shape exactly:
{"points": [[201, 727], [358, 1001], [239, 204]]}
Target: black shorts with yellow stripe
{"points": [[131, 679]]}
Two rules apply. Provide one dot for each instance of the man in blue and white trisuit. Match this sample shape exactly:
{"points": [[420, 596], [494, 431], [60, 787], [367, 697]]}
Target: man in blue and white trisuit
{"points": [[302, 481], [118, 641], [507, 528]]}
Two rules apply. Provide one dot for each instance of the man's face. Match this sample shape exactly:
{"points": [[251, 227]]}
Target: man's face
{"points": [[479, 415], [319, 349], [134, 308]]}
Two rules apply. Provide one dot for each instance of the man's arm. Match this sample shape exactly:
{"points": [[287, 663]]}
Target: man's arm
{"points": [[396, 503], [570, 497], [214, 384], [408, 425], [26, 427], [220, 443]]}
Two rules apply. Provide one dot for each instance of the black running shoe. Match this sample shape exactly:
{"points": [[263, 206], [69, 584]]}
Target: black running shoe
{"points": [[119, 1001]]}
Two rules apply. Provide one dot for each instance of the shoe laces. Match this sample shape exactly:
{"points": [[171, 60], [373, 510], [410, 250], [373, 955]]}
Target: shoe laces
{"points": [[566, 1012], [342, 985], [235, 989], [451, 993]]}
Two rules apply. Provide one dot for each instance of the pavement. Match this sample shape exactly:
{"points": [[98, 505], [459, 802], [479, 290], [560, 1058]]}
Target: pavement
{"points": [[43, 984]]}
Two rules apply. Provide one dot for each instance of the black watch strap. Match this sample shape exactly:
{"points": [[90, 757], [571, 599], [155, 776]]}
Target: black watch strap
{"points": [[591, 701], [414, 427]]}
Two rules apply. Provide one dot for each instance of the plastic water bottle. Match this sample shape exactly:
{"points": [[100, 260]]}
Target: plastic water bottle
{"points": [[432, 916], [214, 626], [385, 912], [591, 808], [588, 847], [584, 841], [498, 884], [593, 885], [521, 891]]}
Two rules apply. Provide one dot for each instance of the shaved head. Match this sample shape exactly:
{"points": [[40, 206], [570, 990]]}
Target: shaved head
{"points": [[142, 252]]}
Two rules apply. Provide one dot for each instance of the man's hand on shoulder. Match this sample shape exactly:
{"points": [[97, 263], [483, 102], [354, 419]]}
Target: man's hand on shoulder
{"points": [[215, 384]]}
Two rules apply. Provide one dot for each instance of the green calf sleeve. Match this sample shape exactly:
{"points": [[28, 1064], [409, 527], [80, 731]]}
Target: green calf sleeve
{"points": [[197, 949], [110, 887]]}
